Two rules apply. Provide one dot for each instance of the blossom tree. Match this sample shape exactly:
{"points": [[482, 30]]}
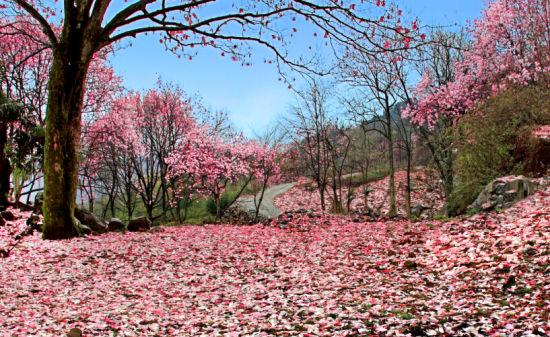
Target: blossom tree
{"points": [[265, 170], [128, 146], [89, 27], [164, 118], [267, 163], [511, 46], [437, 69], [209, 162], [108, 147], [25, 61]]}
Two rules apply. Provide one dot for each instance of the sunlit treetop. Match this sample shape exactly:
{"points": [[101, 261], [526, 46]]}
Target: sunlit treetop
{"points": [[510, 46]]}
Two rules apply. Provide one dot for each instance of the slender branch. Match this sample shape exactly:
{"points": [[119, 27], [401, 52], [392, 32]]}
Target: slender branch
{"points": [[38, 17]]}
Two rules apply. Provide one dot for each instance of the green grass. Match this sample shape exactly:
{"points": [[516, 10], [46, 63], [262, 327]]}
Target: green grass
{"points": [[358, 179], [199, 211]]}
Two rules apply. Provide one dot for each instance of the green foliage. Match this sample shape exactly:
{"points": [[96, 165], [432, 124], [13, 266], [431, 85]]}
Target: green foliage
{"points": [[441, 217], [358, 179], [494, 140], [197, 212], [464, 194], [10, 111], [225, 200]]}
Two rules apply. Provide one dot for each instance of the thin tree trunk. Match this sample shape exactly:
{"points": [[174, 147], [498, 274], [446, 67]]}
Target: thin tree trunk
{"points": [[448, 176], [408, 192], [218, 206], [149, 208], [237, 196], [336, 202], [322, 195], [393, 211], [259, 203]]}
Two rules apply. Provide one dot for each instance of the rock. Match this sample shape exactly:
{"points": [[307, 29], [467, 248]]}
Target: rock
{"points": [[38, 202], [88, 219], [502, 193], [509, 196], [487, 206], [238, 216], [74, 332], [417, 210], [529, 251], [157, 229], [510, 282], [34, 222], [372, 213], [8, 215], [83, 228], [116, 225], [296, 220], [410, 265], [139, 225]]}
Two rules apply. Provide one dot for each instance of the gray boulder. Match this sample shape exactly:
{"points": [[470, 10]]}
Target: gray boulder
{"points": [[417, 210], [85, 230], [116, 225], [503, 192], [140, 224], [89, 220]]}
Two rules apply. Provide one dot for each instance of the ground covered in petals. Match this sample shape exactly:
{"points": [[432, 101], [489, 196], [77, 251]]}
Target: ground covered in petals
{"points": [[424, 192], [487, 275]]}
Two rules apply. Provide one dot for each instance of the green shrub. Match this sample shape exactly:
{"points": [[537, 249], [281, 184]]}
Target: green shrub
{"points": [[358, 179], [464, 194], [495, 140], [225, 200]]}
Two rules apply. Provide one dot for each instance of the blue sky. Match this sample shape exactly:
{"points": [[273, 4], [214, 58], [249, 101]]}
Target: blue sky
{"points": [[252, 96]]}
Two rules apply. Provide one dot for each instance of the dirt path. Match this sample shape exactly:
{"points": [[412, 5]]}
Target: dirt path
{"points": [[268, 208]]}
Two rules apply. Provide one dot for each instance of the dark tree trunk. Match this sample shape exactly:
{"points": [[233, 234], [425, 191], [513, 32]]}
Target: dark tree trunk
{"points": [[63, 126], [408, 192], [393, 210], [149, 208], [448, 176], [322, 195], [5, 167], [337, 201], [217, 201], [258, 204]]}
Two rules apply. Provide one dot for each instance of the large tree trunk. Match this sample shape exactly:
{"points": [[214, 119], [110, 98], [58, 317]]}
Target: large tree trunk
{"points": [[63, 127]]}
